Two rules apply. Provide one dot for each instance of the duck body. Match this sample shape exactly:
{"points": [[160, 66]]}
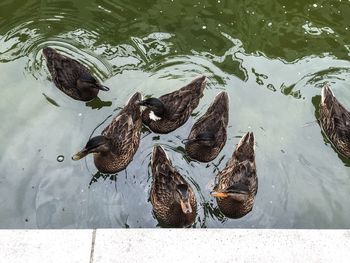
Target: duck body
{"points": [[237, 182], [170, 111], [119, 141], [208, 135], [335, 121], [174, 202], [72, 77]]}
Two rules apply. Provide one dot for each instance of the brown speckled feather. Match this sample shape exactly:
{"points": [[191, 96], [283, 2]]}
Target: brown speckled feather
{"points": [[178, 105], [214, 121], [165, 180], [335, 121], [125, 131], [66, 72], [240, 169]]}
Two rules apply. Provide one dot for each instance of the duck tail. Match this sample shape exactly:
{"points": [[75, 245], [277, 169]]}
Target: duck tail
{"points": [[220, 104], [326, 94], [159, 155], [198, 84], [132, 105], [245, 149]]}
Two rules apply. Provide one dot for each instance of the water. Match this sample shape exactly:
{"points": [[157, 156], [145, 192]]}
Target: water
{"points": [[272, 57]]}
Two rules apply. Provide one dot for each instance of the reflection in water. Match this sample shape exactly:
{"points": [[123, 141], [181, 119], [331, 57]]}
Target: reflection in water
{"points": [[50, 100], [97, 103], [271, 58]]}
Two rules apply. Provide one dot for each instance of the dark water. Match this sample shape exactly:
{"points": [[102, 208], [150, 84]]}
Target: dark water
{"points": [[272, 57]]}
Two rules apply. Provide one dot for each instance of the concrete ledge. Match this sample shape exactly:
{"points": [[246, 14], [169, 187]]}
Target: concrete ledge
{"points": [[222, 245], [174, 245], [45, 246]]}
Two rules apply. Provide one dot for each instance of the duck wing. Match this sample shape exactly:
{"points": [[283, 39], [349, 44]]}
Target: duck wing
{"points": [[182, 102], [165, 177], [66, 71], [243, 173]]}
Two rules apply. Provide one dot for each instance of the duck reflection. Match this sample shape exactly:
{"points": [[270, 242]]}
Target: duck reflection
{"points": [[237, 182], [97, 103]]}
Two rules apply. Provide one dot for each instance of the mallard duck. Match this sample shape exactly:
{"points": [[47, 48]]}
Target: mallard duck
{"points": [[173, 200], [71, 76], [335, 121], [170, 111], [237, 183], [209, 133], [115, 148]]}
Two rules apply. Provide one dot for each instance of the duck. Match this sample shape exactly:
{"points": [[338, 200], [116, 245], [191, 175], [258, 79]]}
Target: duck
{"points": [[72, 77], [170, 111], [237, 183], [334, 120], [114, 149], [208, 135], [173, 200]]}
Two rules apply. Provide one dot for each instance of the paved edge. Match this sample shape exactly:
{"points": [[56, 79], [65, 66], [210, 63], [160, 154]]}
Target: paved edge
{"points": [[174, 245], [221, 245], [45, 246]]}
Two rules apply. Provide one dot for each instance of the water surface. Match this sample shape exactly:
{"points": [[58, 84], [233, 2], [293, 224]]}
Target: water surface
{"points": [[272, 57]]}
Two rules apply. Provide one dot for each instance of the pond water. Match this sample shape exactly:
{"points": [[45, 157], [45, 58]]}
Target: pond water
{"points": [[272, 57]]}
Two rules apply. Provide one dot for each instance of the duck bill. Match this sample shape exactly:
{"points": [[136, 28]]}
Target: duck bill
{"points": [[101, 87], [231, 192], [219, 194], [80, 155], [186, 206]]}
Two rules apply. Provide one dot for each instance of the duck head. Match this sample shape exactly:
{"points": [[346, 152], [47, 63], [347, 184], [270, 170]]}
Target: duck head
{"points": [[87, 81], [238, 192], [98, 144], [156, 107], [182, 197]]}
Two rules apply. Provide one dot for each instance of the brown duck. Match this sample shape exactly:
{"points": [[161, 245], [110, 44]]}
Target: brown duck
{"points": [[335, 121], [71, 77], [170, 111], [173, 200], [115, 148], [237, 183], [208, 135]]}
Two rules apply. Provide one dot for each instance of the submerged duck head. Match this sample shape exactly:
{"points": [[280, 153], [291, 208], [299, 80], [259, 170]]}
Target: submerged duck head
{"points": [[156, 107], [182, 197], [98, 144]]}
